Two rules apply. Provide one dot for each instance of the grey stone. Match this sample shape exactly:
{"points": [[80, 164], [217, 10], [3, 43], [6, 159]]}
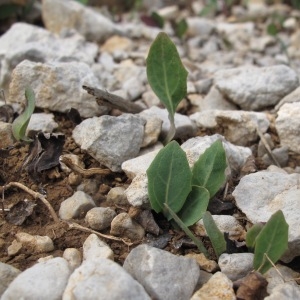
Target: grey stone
{"points": [[41, 122], [237, 265], [203, 86], [7, 275], [7, 138], [255, 88], [76, 206], [217, 287], [215, 100], [57, 86], [280, 276], [105, 279], [99, 218], [261, 150], [287, 126], [261, 194], [175, 278], [73, 257], [58, 15], [199, 26], [124, 226], [111, 140], [281, 154], [45, 280], [94, 248], [184, 126], [116, 196], [284, 291], [24, 41]]}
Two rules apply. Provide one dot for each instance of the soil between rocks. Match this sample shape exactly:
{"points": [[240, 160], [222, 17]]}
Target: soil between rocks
{"points": [[55, 186]]}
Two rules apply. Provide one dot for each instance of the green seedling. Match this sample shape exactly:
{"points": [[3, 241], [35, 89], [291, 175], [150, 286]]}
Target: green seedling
{"points": [[167, 76], [269, 241], [180, 193], [20, 124], [175, 189]]}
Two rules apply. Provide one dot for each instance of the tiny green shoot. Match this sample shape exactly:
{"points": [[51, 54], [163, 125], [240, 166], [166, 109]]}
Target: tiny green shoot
{"points": [[167, 76], [20, 124], [269, 241]]}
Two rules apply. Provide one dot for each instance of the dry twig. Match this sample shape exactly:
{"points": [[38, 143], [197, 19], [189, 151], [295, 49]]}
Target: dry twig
{"points": [[84, 172], [34, 194], [85, 229]]}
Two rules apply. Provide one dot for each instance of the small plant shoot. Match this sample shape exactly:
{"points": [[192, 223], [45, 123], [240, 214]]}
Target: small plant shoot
{"points": [[171, 185], [270, 243], [20, 124], [167, 76]]}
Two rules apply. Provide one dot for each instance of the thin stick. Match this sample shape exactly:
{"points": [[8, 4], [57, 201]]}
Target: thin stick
{"points": [[105, 98], [84, 172], [85, 229], [34, 195], [265, 143]]}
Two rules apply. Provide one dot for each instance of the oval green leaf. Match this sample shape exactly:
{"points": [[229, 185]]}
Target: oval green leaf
{"points": [[195, 206], [169, 179], [252, 234], [20, 124], [209, 169], [215, 235], [272, 241], [166, 73]]}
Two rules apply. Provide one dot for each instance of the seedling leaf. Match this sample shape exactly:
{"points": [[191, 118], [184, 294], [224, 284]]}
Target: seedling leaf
{"points": [[272, 241], [209, 169], [181, 27], [252, 234], [215, 235], [195, 205], [166, 73], [20, 124], [169, 179]]}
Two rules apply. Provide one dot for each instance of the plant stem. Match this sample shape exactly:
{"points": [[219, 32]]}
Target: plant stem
{"points": [[171, 132], [198, 243]]}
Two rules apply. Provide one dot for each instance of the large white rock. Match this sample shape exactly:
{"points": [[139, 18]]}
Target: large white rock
{"points": [[288, 126], [103, 279], [229, 121], [45, 280], [111, 140], [58, 15], [255, 88], [24, 41], [236, 155], [57, 86], [7, 275], [163, 275], [294, 96], [261, 194]]}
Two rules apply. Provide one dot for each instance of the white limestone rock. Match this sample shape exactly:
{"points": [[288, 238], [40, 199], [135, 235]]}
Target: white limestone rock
{"points": [[57, 86], [58, 15], [44, 280], [288, 126], [105, 279], [261, 194], [255, 88]]}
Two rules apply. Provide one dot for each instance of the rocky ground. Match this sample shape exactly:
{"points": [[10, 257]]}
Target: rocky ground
{"points": [[98, 236]]}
